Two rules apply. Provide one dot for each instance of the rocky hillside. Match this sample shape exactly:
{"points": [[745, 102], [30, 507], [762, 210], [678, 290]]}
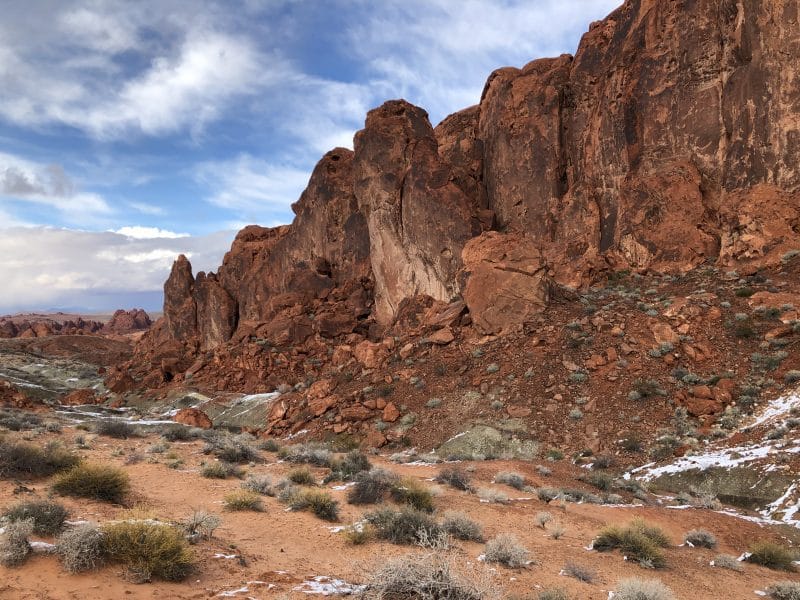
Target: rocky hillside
{"points": [[667, 146], [45, 325]]}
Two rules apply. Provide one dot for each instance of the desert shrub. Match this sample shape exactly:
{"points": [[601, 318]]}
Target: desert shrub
{"points": [[510, 478], [701, 538], [642, 589], [269, 445], [404, 526], [220, 470], [301, 476], [434, 575], [180, 433], [234, 451], [639, 541], [553, 594], [455, 477], [461, 527], [492, 495], [14, 546], [19, 460], [542, 519], [148, 549], [412, 492], [115, 428], [314, 454], [772, 555], [345, 469], [47, 516], [784, 590], [243, 500], [200, 525], [580, 572], [542, 470], [356, 535], [548, 494], [557, 531], [100, 482], [81, 548], [506, 550], [260, 484], [371, 487], [599, 479], [726, 561], [318, 502]]}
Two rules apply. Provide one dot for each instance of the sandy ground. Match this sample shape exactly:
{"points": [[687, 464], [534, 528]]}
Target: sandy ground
{"points": [[279, 550]]}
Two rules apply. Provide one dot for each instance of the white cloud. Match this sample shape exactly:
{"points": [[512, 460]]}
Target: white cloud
{"points": [[147, 209], [61, 264], [148, 233], [252, 186]]}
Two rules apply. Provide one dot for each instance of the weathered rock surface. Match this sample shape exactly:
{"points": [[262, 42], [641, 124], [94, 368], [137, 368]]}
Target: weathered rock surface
{"points": [[193, 417], [128, 321]]}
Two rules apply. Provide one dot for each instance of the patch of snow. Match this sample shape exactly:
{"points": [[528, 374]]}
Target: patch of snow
{"points": [[339, 488], [232, 593], [225, 556], [777, 408], [43, 547], [326, 586], [291, 436]]}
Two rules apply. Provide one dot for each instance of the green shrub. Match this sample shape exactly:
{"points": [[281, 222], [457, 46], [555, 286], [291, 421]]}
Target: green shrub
{"points": [[100, 482], [301, 476], [148, 550], [319, 502], [639, 541], [371, 487], [412, 492], [506, 550], [220, 470], [461, 527], [772, 555], [404, 526], [784, 590], [455, 477], [599, 479], [352, 464], [47, 516], [269, 445], [510, 478], [20, 460], [116, 429], [81, 548], [243, 500], [14, 546], [700, 538], [642, 589]]}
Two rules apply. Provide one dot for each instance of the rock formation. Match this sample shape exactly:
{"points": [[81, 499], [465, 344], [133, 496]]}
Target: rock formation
{"points": [[670, 139], [128, 321]]}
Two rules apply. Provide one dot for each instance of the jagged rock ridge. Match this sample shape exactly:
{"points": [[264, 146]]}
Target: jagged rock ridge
{"points": [[671, 138]]}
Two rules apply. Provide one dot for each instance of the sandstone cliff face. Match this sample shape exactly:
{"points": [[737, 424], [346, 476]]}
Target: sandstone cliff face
{"points": [[671, 138]]}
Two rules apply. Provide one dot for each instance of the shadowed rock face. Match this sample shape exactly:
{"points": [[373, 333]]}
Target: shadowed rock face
{"points": [[672, 137]]}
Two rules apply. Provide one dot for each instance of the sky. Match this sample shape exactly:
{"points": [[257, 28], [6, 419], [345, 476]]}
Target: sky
{"points": [[131, 132]]}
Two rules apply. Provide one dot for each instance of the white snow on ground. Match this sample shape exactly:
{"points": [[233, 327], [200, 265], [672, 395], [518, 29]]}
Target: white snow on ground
{"points": [[325, 586], [779, 407]]}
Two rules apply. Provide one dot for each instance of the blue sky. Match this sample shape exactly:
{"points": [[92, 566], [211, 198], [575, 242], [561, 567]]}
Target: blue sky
{"points": [[132, 131]]}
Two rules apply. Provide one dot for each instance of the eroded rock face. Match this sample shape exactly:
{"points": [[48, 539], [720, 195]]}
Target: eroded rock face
{"points": [[127, 321]]}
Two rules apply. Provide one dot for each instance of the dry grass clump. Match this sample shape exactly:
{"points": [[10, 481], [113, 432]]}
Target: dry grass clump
{"points": [[511, 478], [493, 495], [433, 575], [319, 502], [639, 541], [260, 484], [116, 429], [642, 589], [542, 519], [726, 561], [301, 476], [243, 500], [99, 482], [14, 546], [455, 477], [358, 534], [47, 516], [148, 550], [81, 548], [553, 594], [461, 527], [21, 460], [506, 550], [313, 454], [233, 450], [347, 468], [580, 572], [372, 487], [221, 470], [404, 526], [773, 556], [784, 590], [412, 492], [700, 538], [180, 433], [200, 525]]}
